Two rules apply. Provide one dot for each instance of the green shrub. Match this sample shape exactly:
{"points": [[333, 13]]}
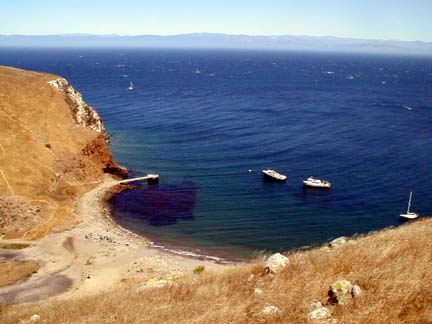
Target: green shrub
{"points": [[199, 269]]}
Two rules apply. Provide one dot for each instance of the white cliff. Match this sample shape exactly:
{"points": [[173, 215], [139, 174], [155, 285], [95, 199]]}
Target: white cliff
{"points": [[83, 114]]}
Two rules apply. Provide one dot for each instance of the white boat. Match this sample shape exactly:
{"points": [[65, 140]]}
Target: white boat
{"points": [[408, 214], [131, 87], [274, 175], [316, 183]]}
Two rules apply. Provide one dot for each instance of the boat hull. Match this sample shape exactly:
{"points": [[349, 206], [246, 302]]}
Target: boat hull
{"points": [[316, 186], [275, 178], [409, 216]]}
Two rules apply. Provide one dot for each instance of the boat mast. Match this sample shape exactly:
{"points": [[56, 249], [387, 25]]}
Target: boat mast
{"points": [[409, 202]]}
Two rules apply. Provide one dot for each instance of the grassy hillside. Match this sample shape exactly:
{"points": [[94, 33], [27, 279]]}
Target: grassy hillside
{"points": [[393, 268], [47, 158]]}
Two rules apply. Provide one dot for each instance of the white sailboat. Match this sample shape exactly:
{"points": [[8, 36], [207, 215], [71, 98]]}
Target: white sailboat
{"points": [[408, 214], [131, 87]]}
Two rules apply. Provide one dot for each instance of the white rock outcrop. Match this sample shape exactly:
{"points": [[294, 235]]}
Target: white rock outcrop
{"points": [[270, 310], [276, 263], [314, 305], [319, 314], [83, 114], [34, 319], [340, 290], [356, 291], [337, 242]]}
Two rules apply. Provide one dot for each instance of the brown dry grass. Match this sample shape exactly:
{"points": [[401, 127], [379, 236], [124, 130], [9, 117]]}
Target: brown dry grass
{"points": [[393, 268], [15, 271], [43, 166], [13, 246]]}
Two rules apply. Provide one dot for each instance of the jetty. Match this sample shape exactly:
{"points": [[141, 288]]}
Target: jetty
{"points": [[150, 178]]}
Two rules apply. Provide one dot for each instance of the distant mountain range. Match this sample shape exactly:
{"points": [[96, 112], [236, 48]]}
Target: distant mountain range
{"points": [[222, 41]]}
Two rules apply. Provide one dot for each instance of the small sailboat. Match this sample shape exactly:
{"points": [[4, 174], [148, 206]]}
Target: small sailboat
{"points": [[408, 214], [131, 87]]}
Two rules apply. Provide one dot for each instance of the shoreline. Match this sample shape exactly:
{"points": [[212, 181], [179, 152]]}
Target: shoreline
{"points": [[180, 250], [96, 255]]}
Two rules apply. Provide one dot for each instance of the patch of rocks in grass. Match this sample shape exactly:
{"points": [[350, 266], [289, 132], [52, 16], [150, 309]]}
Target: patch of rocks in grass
{"points": [[276, 263], [32, 320], [337, 242], [270, 311], [342, 291], [318, 314], [258, 291]]}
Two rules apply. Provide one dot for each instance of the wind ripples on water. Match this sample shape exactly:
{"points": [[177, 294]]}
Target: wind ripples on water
{"points": [[203, 119]]}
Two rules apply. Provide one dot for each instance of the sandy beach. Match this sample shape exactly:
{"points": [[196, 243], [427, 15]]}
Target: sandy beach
{"points": [[95, 255]]}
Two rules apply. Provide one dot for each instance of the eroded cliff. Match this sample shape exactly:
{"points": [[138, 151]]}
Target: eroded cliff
{"points": [[53, 148]]}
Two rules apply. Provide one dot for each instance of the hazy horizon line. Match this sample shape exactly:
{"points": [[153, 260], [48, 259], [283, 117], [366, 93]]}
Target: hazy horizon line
{"points": [[224, 34]]}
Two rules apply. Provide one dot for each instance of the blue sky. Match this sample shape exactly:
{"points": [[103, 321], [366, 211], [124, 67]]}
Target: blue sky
{"points": [[377, 19]]}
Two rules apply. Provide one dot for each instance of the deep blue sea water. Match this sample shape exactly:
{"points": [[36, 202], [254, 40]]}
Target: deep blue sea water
{"points": [[202, 119]]}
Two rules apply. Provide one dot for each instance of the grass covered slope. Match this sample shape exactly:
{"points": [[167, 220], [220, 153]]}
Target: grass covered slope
{"points": [[393, 268], [52, 149]]}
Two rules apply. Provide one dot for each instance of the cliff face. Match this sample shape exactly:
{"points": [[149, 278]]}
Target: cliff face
{"points": [[82, 113], [53, 148]]}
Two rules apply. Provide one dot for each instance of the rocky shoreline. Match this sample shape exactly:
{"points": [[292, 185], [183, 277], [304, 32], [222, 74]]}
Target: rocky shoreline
{"points": [[94, 256], [58, 207]]}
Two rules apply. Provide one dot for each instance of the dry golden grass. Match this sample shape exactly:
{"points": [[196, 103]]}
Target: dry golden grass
{"points": [[14, 271], [392, 267], [13, 246], [46, 160]]}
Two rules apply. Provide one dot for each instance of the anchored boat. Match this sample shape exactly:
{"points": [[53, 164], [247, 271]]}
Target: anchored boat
{"points": [[273, 175], [316, 183], [408, 214]]}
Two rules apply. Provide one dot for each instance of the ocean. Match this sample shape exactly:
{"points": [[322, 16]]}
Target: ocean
{"points": [[202, 119]]}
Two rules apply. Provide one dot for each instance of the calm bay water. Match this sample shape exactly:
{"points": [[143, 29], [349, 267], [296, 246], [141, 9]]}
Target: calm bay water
{"points": [[202, 119]]}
